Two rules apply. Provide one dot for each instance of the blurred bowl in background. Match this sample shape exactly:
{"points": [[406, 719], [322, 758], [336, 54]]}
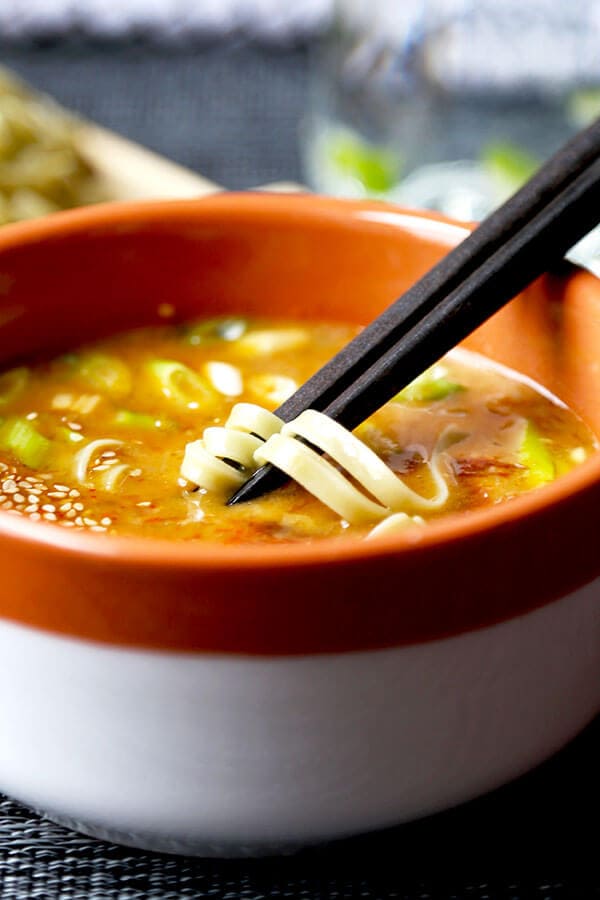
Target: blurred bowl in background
{"points": [[448, 104]]}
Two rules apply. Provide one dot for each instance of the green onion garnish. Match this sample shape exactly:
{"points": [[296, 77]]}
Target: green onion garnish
{"points": [[229, 328], [24, 441], [106, 374], [429, 387], [534, 454], [130, 419], [181, 384]]}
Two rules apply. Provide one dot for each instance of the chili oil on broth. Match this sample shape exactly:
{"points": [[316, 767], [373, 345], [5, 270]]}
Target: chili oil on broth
{"points": [[136, 399]]}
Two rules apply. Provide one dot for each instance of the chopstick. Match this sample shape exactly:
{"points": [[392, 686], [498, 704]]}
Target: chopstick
{"points": [[506, 252], [507, 272]]}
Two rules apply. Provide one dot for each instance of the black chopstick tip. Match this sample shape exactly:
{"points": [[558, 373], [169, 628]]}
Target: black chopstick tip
{"points": [[264, 480], [246, 491]]}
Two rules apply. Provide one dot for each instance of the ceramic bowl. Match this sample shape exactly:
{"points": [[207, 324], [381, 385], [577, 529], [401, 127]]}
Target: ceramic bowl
{"points": [[231, 700]]}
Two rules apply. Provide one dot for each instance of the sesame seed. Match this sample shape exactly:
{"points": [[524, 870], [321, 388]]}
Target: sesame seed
{"points": [[61, 487], [79, 521], [145, 503], [31, 416], [65, 507], [74, 493], [99, 468], [106, 521], [31, 479], [88, 521], [49, 517], [9, 486], [18, 498], [7, 505], [35, 517], [49, 507], [97, 528], [2, 498], [107, 454], [35, 491], [135, 473], [79, 507], [58, 494], [71, 514], [31, 509], [66, 524]]}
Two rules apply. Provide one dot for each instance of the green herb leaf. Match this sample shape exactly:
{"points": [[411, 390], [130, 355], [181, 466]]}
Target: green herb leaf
{"points": [[377, 168], [508, 163]]}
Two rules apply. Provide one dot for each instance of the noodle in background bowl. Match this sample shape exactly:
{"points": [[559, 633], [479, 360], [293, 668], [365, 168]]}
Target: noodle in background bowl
{"points": [[228, 700]]}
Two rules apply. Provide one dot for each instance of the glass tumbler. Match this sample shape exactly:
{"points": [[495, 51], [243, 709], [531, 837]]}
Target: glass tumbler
{"points": [[448, 104]]}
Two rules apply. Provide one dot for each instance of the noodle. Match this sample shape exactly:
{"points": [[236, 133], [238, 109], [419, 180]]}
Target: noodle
{"points": [[225, 457]]}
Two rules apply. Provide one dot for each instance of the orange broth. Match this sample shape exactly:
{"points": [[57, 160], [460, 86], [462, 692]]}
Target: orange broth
{"points": [[514, 436]]}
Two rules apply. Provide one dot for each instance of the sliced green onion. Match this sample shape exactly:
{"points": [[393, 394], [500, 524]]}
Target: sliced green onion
{"points": [[228, 328], [130, 419], [265, 341], [106, 374], [429, 387], [181, 384], [24, 441], [12, 383], [84, 404], [534, 454]]}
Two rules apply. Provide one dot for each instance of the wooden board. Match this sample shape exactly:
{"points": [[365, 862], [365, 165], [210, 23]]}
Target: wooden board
{"points": [[128, 171]]}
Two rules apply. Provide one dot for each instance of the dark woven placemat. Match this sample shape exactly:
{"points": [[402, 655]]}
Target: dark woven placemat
{"points": [[232, 112], [536, 839]]}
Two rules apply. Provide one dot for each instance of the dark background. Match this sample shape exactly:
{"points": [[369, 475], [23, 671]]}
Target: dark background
{"points": [[233, 112]]}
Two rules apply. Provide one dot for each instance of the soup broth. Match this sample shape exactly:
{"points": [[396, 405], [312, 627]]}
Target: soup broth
{"points": [[94, 439]]}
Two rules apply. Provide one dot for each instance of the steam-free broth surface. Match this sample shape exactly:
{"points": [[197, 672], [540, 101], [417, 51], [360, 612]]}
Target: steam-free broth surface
{"points": [[94, 439]]}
